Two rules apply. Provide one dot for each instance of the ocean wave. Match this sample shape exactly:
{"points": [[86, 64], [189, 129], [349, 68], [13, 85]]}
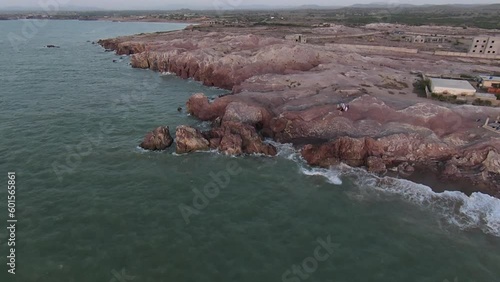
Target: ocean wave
{"points": [[285, 150], [477, 211], [332, 175]]}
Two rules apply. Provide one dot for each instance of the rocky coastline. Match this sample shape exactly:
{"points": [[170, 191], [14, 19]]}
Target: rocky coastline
{"points": [[289, 92]]}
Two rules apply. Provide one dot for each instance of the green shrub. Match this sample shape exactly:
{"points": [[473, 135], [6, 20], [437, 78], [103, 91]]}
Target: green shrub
{"points": [[479, 102]]}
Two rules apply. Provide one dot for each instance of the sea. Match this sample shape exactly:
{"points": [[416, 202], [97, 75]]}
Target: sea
{"points": [[91, 206]]}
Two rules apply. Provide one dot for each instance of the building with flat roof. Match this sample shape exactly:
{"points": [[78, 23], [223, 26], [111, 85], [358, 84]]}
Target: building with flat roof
{"points": [[485, 45], [297, 38], [451, 87], [487, 81]]}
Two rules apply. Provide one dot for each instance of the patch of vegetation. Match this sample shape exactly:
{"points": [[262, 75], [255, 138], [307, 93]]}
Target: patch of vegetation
{"points": [[479, 102], [420, 86], [453, 99], [482, 16], [280, 24], [467, 76], [498, 96]]}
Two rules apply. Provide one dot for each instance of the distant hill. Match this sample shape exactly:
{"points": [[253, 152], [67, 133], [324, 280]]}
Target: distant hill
{"points": [[316, 7], [228, 7], [383, 5], [61, 8]]}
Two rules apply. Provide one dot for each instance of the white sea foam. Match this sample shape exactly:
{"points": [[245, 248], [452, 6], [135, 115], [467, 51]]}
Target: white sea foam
{"points": [[204, 125], [286, 151], [477, 211], [332, 175], [141, 150], [166, 73], [211, 151]]}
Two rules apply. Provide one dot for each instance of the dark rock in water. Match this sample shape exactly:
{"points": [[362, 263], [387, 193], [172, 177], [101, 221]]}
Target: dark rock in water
{"points": [[93, 43], [114, 61], [52, 46], [179, 109], [376, 165], [158, 139], [189, 139], [108, 50], [405, 169]]}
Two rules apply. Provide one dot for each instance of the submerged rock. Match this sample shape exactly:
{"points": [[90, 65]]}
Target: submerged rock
{"points": [[189, 139], [158, 139]]}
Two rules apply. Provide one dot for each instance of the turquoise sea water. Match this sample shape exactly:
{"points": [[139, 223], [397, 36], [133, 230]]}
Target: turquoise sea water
{"points": [[92, 206]]}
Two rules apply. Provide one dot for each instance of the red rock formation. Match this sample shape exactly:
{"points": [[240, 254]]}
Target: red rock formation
{"points": [[199, 106], [235, 138], [158, 139], [189, 140], [290, 92], [123, 48], [244, 113], [376, 165]]}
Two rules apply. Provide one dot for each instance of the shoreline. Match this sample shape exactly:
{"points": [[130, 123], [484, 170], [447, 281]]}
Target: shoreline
{"points": [[110, 20], [292, 100]]}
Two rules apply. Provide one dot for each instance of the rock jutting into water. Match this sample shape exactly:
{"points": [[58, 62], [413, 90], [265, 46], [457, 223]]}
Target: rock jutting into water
{"points": [[289, 92], [188, 139], [158, 139]]}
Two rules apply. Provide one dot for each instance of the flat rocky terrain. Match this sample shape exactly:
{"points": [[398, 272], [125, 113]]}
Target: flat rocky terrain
{"points": [[290, 92]]}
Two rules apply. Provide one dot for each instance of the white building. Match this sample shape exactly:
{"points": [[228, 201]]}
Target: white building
{"points": [[487, 81], [452, 87], [485, 45], [297, 38], [415, 39]]}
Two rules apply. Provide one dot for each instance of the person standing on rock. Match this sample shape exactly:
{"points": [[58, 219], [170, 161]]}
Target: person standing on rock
{"points": [[342, 107]]}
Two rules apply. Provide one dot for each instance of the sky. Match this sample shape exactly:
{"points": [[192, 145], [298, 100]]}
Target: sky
{"points": [[202, 4]]}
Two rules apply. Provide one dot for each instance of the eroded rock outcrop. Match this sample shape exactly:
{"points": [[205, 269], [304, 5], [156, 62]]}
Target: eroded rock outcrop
{"points": [[242, 112], [199, 106], [188, 139], [406, 151], [392, 150], [234, 138], [158, 139], [290, 92]]}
